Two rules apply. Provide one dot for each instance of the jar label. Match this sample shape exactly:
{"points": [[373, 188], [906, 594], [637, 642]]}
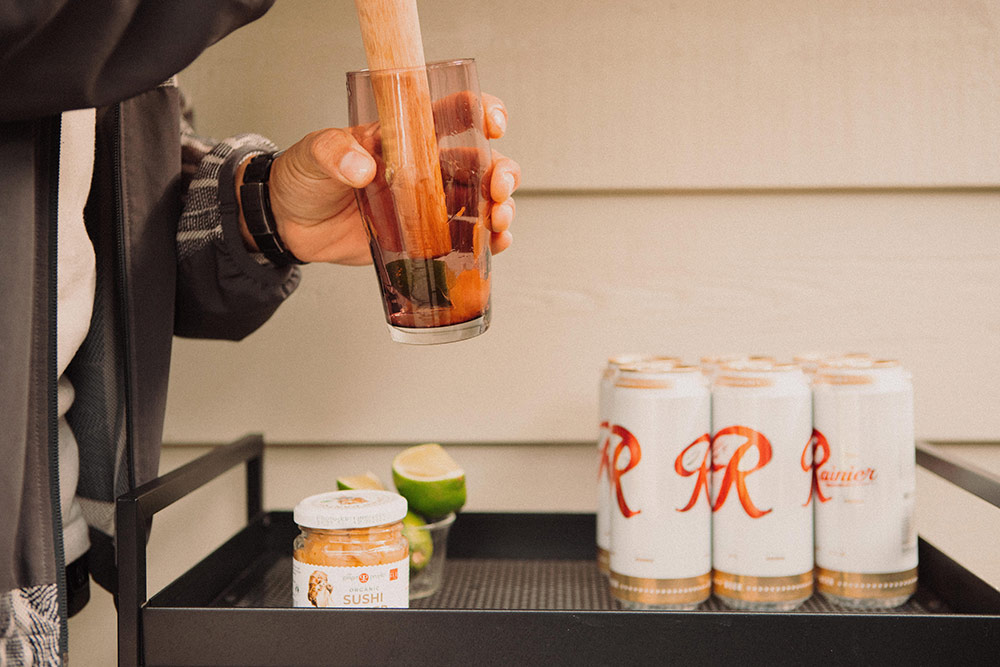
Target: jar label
{"points": [[382, 585]]}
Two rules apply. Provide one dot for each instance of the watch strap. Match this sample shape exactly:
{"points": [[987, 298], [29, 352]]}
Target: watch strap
{"points": [[255, 198]]}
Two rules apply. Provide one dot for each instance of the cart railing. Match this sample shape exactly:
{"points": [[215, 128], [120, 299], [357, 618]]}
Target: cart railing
{"points": [[134, 512], [967, 476]]}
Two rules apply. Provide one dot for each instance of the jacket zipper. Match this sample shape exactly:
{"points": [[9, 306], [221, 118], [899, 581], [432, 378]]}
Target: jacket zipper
{"points": [[122, 283], [54, 131]]}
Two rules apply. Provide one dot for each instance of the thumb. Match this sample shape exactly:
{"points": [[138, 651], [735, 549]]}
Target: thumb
{"points": [[335, 153]]}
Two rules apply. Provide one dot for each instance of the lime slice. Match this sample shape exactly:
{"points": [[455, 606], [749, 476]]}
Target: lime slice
{"points": [[430, 480], [365, 481], [421, 543]]}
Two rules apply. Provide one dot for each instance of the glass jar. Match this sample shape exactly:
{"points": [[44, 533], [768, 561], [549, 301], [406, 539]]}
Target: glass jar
{"points": [[351, 551]]}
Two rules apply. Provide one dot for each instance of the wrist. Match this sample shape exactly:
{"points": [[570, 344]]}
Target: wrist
{"points": [[245, 234], [258, 226]]}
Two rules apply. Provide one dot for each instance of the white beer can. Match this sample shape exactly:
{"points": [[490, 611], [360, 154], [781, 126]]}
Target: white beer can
{"points": [[603, 441], [661, 521], [865, 484], [762, 543]]}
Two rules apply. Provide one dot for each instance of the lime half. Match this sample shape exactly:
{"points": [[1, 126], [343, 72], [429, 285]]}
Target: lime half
{"points": [[366, 481], [430, 480]]}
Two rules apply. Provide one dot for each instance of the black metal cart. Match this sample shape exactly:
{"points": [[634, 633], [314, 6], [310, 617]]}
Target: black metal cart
{"points": [[521, 589]]}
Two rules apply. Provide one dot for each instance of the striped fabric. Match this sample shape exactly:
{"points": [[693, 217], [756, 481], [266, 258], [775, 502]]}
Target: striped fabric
{"points": [[201, 222], [29, 626]]}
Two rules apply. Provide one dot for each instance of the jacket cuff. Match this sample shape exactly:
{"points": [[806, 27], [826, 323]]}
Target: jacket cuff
{"points": [[211, 214], [254, 264], [222, 291]]}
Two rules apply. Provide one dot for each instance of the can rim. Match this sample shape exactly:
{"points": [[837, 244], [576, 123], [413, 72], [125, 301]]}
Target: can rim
{"points": [[723, 359], [857, 365], [620, 360], [655, 368], [783, 367]]}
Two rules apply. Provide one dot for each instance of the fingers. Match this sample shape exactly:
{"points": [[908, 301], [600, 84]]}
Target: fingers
{"points": [[459, 112], [333, 153], [496, 116], [505, 178], [500, 242], [502, 216], [464, 163]]}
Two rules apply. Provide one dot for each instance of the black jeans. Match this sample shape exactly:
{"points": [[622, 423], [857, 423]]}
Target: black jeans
{"points": [[77, 585]]}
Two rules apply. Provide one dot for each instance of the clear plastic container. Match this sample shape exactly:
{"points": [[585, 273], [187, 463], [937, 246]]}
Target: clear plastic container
{"points": [[427, 572]]}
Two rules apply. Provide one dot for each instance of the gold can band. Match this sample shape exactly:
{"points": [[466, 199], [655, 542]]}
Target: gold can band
{"points": [[866, 586], [646, 590], [739, 381], [603, 560], [642, 383], [763, 589], [827, 377]]}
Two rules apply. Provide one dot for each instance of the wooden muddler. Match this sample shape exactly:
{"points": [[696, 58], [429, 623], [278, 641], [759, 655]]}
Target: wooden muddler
{"points": [[390, 30]]}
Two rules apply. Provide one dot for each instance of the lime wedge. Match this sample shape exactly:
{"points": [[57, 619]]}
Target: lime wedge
{"points": [[365, 481], [430, 480], [421, 543]]}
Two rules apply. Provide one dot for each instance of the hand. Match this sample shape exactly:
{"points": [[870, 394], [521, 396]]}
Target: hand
{"points": [[312, 193]]}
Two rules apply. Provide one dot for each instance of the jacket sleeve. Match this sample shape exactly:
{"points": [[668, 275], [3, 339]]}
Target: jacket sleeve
{"points": [[57, 55], [223, 291]]}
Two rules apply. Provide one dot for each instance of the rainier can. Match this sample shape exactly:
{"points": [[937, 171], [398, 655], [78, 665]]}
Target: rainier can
{"points": [[762, 546], [603, 442], [865, 483], [660, 516]]}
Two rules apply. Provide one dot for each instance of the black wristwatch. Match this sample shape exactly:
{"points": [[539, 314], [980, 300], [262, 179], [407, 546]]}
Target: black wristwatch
{"points": [[256, 201]]}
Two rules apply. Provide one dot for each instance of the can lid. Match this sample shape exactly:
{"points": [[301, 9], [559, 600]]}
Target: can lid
{"points": [[719, 359], [856, 362], [620, 360], [758, 365], [857, 371], [342, 510], [760, 374], [654, 367]]}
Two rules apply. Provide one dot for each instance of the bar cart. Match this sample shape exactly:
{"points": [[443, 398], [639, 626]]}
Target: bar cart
{"points": [[521, 589]]}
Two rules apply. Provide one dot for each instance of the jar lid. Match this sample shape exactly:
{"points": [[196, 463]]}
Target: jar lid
{"points": [[342, 510]]}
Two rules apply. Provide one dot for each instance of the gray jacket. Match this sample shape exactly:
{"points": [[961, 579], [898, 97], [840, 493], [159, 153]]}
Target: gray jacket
{"points": [[170, 260]]}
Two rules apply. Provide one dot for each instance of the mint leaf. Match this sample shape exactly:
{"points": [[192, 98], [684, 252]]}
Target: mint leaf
{"points": [[423, 282]]}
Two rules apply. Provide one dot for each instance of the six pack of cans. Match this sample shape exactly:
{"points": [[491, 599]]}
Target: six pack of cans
{"points": [[758, 481]]}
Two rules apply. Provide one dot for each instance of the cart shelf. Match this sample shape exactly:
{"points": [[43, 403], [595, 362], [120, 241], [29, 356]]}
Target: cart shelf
{"points": [[519, 589]]}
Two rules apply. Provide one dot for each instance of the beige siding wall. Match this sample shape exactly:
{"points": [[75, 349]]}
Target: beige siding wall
{"points": [[699, 177]]}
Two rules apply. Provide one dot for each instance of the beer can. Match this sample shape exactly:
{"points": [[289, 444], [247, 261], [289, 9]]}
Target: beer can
{"points": [[762, 543], [603, 442], [864, 484], [660, 519]]}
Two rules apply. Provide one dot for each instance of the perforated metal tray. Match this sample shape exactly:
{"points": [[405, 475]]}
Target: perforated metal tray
{"points": [[519, 589], [512, 584]]}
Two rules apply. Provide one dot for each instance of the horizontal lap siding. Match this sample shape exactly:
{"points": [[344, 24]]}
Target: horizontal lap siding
{"points": [[698, 177], [901, 274], [650, 94]]}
